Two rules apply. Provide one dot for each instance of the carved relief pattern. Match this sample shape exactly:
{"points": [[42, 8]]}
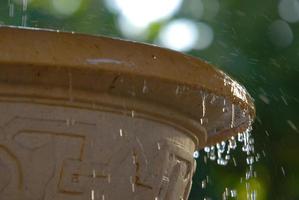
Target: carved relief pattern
{"points": [[44, 158]]}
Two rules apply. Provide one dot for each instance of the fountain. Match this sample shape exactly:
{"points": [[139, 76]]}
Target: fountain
{"points": [[86, 117]]}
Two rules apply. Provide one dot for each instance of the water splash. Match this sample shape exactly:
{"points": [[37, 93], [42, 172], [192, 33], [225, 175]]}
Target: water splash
{"points": [[195, 154], [221, 153]]}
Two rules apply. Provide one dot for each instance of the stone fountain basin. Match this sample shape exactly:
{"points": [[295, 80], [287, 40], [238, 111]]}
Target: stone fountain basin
{"points": [[86, 117]]}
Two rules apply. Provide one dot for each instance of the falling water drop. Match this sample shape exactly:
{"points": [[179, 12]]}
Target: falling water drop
{"points": [[212, 153], [207, 149], [109, 178], [92, 195], [24, 5], [145, 88], [158, 146], [203, 105], [11, 9], [203, 184], [24, 20], [93, 173], [232, 143], [233, 117], [250, 160], [24, 9], [178, 90], [195, 154], [283, 171], [233, 193], [68, 122]]}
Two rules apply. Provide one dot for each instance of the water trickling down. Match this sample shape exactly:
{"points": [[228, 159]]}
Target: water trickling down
{"points": [[13, 10]]}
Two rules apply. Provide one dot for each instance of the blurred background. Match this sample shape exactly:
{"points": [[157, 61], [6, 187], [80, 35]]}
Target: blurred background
{"points": [[256, 42]]}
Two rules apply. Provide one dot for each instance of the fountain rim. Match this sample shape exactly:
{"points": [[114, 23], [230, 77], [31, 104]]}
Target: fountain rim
{"points": [[98, 53]]}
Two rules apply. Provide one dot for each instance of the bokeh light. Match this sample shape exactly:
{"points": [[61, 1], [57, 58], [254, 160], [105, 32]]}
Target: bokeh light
{"points": [[130, 30], [206, 36], [201, 9], [194, 8], [280, 33], [142, 13], [289, 10], [180, 35], [66, 7]]}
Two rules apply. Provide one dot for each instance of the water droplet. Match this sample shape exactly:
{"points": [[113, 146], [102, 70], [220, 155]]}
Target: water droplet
{"points": [[11, 9], [221, 161], [227, 157], [212, 154], [292, 125], [220, 147], [250, 160], [145, 88], [232, 143], [93, 173], [134, 159], [224, 109], [213, 99], [240, 137], [203, 184], [68, 122], [232, 124], [207, 149], [159, 146], [109, 178], [24, 5], [120, 132], [92, 195], [24, 20], [203, 105], [233, 193], [221, 152], [264, 153], [195, 154], [235, 162], [257, 157], [178, 90], [283, 171]]}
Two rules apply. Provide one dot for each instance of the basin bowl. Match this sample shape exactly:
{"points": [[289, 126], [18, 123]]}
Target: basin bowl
{"points": [[90, 117]]}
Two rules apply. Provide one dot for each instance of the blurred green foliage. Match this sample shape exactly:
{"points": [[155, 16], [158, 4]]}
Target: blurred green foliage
{"points": [[241, 48]]}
